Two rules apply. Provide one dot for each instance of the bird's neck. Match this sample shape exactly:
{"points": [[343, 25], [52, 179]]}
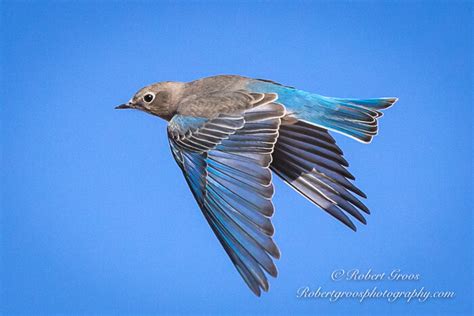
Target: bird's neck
{"points": [[175, 90]]}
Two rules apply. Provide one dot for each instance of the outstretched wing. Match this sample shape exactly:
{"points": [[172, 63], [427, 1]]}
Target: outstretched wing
{"points": [[309, 160], [225, 161]]}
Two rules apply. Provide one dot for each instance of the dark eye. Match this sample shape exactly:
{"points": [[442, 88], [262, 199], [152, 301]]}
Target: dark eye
{"points": [[148, 97]]}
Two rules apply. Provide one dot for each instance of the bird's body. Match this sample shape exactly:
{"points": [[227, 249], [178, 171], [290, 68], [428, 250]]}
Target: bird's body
{"points": [[226, 134]]}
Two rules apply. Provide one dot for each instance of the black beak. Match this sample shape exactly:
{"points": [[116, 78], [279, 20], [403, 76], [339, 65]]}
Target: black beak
{"points": [[123, 106]]}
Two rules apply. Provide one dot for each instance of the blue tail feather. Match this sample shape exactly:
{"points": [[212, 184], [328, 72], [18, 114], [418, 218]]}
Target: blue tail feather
{"points": [[356, 118]]}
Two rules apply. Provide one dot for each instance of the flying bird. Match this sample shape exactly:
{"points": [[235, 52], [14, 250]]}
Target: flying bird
{"points": [[229, 133]]}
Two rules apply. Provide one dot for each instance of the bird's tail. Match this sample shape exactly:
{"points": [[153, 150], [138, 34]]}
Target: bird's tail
{"points": [[307, 157], [356, 118]]}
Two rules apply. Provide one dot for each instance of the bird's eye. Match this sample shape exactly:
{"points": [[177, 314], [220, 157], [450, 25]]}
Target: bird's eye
{"points": [[148, 97]]}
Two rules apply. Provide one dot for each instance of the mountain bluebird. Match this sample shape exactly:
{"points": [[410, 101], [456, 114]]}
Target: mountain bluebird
{"points": [[227, 133]]}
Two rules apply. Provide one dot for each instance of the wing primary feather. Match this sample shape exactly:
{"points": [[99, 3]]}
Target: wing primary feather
{"points": [[226, 162]]}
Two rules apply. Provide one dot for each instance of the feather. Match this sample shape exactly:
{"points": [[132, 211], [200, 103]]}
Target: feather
{"points": [[226, 163], [312, 164]]}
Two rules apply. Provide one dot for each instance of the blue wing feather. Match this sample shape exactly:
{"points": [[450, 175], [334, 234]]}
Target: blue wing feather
{"points": [[231, 181]]}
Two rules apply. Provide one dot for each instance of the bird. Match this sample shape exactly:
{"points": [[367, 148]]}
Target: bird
{"points": [[229, 133]]}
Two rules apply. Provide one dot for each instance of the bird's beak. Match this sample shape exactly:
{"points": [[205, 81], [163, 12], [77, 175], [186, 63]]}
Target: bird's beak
{"points": [[124, 106]]}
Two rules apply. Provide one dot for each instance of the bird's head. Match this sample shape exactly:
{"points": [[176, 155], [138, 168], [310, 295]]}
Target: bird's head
{"points": [[157, 99]]}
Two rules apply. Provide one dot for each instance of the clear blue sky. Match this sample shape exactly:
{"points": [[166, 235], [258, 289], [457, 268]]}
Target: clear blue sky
{"points": [[95, 214]]}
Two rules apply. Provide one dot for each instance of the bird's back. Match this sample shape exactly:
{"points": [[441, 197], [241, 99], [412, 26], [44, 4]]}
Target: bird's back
{"points": [[212, 96], [220, 83]]}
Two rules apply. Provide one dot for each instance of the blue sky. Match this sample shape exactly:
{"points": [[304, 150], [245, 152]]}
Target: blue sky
{"points": [[97, 219]]}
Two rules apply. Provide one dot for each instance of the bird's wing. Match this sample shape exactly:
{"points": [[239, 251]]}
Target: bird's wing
{"points": [[309, 160], [225, 161]]}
